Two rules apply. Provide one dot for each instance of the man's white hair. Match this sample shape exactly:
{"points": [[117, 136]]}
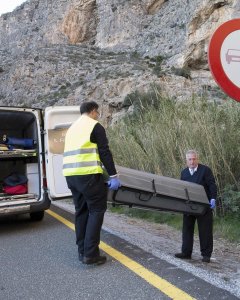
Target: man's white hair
{"points": [[192, 152]]}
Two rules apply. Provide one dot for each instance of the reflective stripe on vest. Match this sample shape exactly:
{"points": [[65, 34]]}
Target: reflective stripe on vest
{"points": [[81, 156], [80, 151], [82, 164]]}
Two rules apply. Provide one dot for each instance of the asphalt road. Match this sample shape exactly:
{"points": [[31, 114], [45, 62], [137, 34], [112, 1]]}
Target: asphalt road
{"points": [[38, 260]]}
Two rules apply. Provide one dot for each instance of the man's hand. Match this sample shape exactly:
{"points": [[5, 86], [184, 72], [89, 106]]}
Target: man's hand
{"points": [[114, 183], [212, 203]]}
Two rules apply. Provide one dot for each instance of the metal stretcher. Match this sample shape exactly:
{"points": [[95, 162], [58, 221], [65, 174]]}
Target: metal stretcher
{"points": [[141, 189]]}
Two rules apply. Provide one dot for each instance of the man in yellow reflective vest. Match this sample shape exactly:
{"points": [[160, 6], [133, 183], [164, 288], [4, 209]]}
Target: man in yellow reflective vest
{"points": [[86, 151]]}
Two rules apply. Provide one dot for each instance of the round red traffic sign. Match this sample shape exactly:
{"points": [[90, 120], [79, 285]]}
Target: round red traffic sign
{"points": [[224, 57]]}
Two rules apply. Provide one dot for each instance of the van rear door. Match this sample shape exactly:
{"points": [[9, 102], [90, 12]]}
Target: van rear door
{"points": [[56, 121]]}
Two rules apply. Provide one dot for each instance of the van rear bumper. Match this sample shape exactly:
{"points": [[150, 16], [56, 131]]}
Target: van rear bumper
{"points": [[41, 205], [26, 208]]}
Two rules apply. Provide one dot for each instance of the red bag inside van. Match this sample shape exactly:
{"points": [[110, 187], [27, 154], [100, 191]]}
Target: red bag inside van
{"points": [[15, 184], [15, 190]]}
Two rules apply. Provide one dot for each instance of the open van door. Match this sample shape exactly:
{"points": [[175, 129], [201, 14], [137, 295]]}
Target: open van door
{"points": [[57, 120]]}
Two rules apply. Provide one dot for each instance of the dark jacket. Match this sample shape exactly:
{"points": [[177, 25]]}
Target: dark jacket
{"points": [[98, 136], [204, 177]]}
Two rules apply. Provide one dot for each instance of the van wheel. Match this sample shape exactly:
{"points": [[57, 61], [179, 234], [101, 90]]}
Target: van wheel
{"points": [[37, 216]]}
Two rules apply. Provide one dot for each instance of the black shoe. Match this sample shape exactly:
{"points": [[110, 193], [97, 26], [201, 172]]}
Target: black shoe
{"points": [[183, 256], [80, 256], [98, 260], [206, 259]]}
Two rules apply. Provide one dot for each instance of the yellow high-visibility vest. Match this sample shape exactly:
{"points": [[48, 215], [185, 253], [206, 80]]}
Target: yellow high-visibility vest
{"points": [[81, 156]]}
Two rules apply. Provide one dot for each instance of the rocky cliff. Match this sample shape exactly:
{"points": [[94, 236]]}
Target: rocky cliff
{"points": [[61, 52]]}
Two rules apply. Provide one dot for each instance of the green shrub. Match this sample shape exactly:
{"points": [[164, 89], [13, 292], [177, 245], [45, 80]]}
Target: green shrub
{"points": [[158, 59], [157, 68], [184, 72], [230, 199], [141, 102]]}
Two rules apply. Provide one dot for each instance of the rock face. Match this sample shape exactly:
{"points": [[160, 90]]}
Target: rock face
{"points": [[65, 51], [80, 22]]}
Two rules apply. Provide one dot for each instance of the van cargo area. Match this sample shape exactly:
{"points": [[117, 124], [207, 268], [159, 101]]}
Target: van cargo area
{"points": [[19, 154]]}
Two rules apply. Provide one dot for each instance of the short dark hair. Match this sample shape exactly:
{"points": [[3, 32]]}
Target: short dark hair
{"points": [[87, 107]]}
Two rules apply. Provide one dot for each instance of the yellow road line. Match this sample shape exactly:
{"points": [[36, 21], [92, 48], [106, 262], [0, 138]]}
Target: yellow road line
{"points": [[161, 284], [61, 219]]}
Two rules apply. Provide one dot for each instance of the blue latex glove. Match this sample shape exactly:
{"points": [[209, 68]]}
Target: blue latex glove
{"points": [[114, 183], [212, 203]]}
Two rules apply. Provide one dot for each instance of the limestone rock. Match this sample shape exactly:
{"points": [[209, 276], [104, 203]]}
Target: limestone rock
{"points": [[65, 51], [79, 24], [209, 16]]}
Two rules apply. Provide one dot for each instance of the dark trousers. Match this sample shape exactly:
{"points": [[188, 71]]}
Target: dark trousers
{"points": [[205, 229], [90, 199]]}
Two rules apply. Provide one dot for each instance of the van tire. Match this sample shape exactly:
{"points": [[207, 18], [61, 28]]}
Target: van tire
{"points": [[37, 216]]}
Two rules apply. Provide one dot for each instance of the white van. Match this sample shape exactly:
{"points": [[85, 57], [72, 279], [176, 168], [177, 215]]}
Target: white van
{"points": [[42, 165]]}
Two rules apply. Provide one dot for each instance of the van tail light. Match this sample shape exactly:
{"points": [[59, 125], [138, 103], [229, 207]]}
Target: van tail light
{"points": [[44, 182], [44, 176]]}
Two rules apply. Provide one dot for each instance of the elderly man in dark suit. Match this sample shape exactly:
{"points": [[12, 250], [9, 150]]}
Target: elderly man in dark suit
{"points": [[202, 175]]}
